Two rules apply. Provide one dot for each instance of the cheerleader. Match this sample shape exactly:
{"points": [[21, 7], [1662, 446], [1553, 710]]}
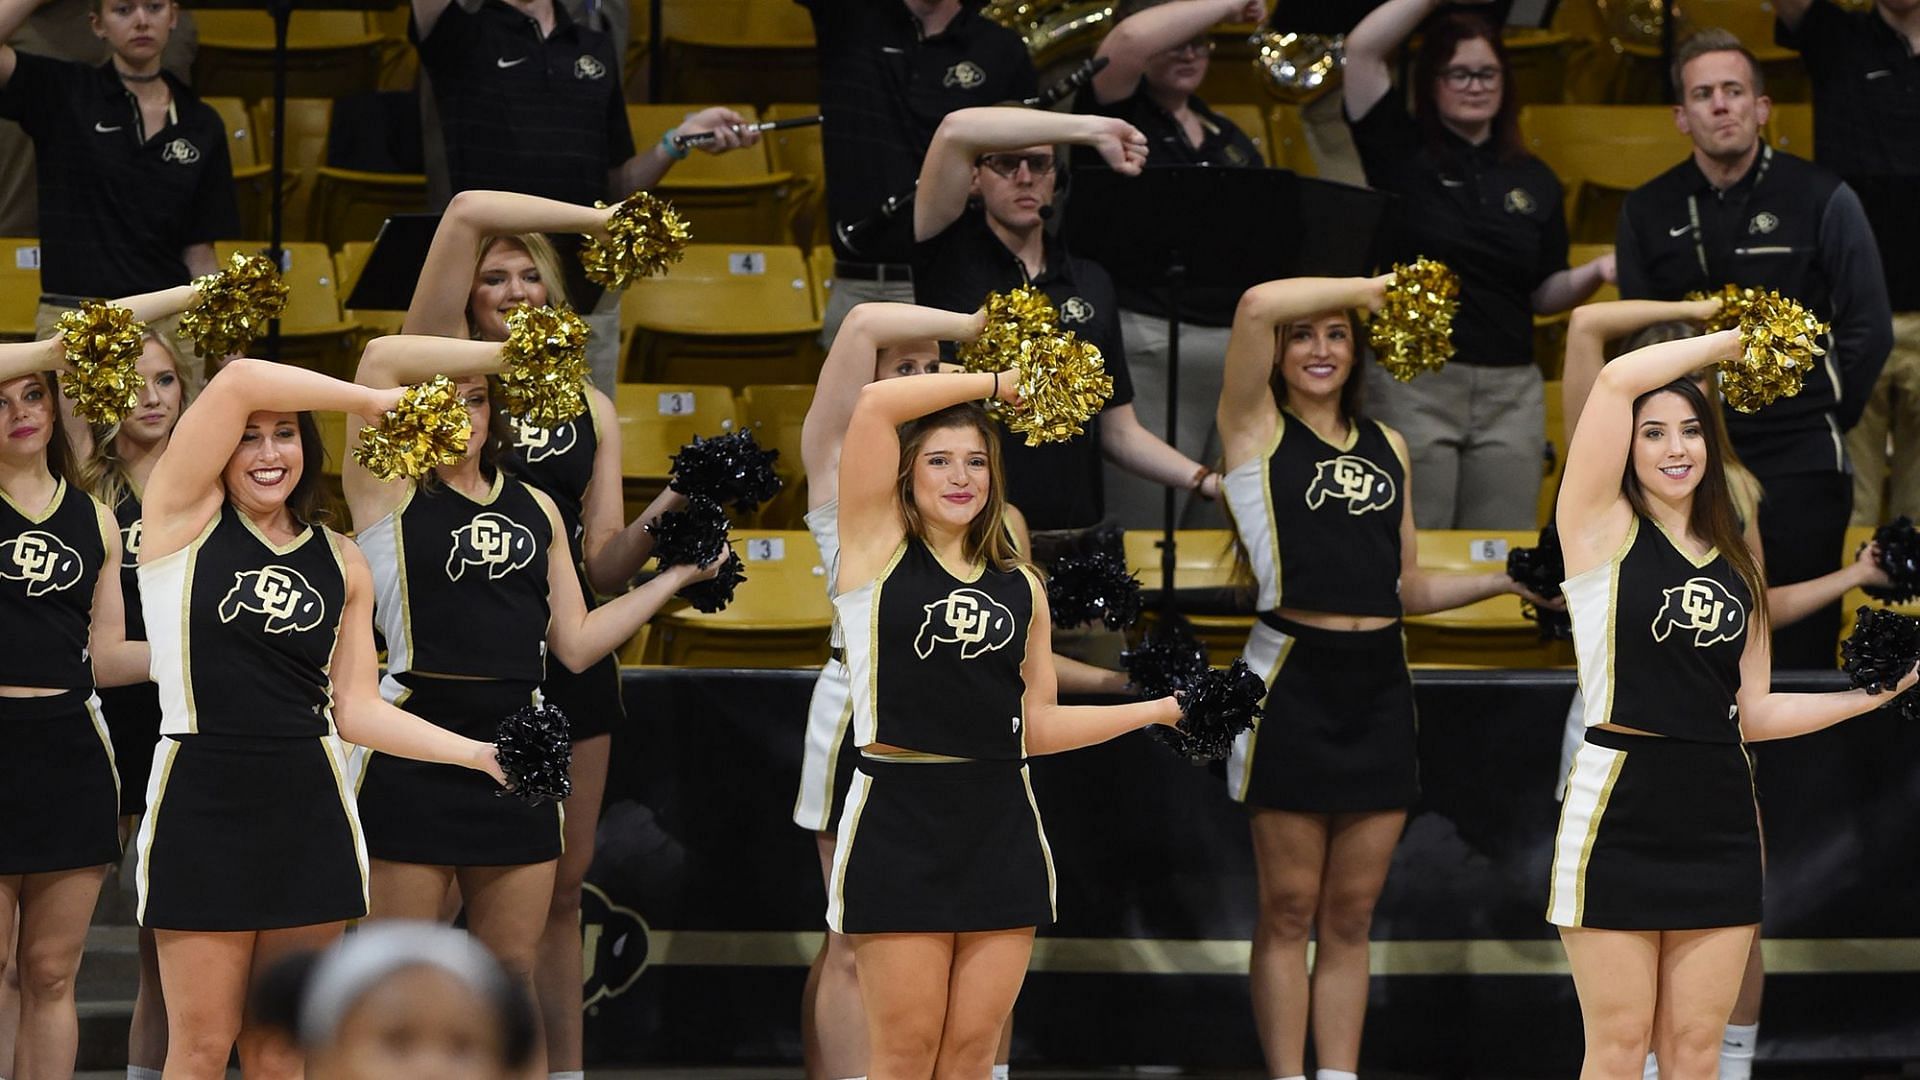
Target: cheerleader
{"points": [[488, 257], [941, 870], [475, 584], [1657, 865], [1320, 499], [62, 633], [1639, 323], [260, 621]]}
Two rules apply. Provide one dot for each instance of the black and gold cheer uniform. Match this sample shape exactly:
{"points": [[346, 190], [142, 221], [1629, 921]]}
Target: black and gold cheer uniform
{"points": [[133, 712]]}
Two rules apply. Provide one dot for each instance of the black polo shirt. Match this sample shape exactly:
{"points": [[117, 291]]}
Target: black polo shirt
{"points": [[1056, 485], [1789, 225], [518, 112], [884, 88], [1498, 222], [1866, 113], [1222, 145], [116, 211]]}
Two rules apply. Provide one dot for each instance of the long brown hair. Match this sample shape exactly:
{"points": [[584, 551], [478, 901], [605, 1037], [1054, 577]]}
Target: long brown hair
{"points": [[1713, 516], [986, 538], [1441, 37], [104, 472]]}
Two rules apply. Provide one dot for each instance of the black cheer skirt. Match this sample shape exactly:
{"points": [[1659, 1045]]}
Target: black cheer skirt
{"points": [[591, 698], [940, 847], [1339, 734], [1657, 834], [449, 815], [133, 719], [249, 833], [59, 794], [827, 754]]}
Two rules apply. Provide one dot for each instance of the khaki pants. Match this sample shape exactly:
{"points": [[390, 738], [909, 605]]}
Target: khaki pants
{"points": [[1885, 445], [1138, 503], [1477, 438], [846, 293]]}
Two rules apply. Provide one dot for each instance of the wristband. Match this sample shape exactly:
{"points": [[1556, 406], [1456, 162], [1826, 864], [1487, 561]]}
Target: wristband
{"points": [[672, 150], [995, 396]]}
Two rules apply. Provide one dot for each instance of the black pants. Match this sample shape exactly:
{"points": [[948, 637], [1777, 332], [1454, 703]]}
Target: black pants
{"points": [[1803, 524]]}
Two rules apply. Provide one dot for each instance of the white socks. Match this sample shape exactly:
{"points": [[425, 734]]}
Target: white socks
{"points": [[139, 1072], [1000, 1072], [1334, 1074], [1736, 1051], [1651, 1070]]}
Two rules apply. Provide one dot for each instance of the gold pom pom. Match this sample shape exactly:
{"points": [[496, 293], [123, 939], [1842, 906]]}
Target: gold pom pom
{"points": [[429, 427], [547, 350], [236, 304], [1779, 340], [1063, 383], [644, 235], [102, 344], [1013, 318], [1413, 331]]}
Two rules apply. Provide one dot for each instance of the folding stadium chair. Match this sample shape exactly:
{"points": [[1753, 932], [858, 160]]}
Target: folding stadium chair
{"points": [[19, 287], [739, 50], [313, 332], [1790, 128], [333, 436], [1858, 536], [728, 314], [727, 198], [347, 264], [308, 121], [252, 177], [329, 54], [820, 270], [399, 60], [1490, 633], [1601, 152], [780, 615], [775, 414], [1642, 76], [798, 151], [1287, 146], [1248, 118], [656, 420], [1204, 561], [351, 204], [1539, 61], [240, 140]]}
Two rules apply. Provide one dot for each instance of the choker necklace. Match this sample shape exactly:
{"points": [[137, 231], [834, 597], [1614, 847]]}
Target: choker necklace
{"points": [[132, 78]]}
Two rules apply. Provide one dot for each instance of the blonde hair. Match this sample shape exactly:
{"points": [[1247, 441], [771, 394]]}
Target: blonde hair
{"points": [[104, 472], [545, 259], [987, 537]]}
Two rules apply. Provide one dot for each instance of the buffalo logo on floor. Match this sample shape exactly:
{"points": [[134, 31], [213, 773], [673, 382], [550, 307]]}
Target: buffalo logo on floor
{"points": [[538, 443], [280, 593], [968, 618], [1703, 606], [42, 560], [615, 943], [1355, 481], [494, 541]]}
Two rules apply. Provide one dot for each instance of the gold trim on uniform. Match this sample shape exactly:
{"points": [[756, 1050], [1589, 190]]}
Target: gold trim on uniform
{"points": [[156, 795], [843, 849], [1046, 849], [331, 746]]}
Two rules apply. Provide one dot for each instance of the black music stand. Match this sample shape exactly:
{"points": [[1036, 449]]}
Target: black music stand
{"points": [[1176, 227], [392, 270]]}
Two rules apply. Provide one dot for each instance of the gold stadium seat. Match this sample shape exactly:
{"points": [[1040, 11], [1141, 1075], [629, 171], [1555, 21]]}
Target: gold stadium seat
{"points": [[1790, 128], [308, 121], [738, 50], [240, 140], [252, 175], [1248, 118], [313, 332], [399, 60], [19, 287], [1601, 152], [736, 197], [1490, 633], [351, 204], [1858, 536], [1538, 59], [1287, 146], [1203, 559], [1231, 77], [780, 615], [799, 151], [732, 314], [820, 269], [656, 420], [775, 414], [329, 54], [347, 264]]}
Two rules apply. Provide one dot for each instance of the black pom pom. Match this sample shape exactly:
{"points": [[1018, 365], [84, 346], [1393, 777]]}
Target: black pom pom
{"points": [[1168, 658], [535, 750], [1881, 651], [716, 592], [1542, 569], [1095, 585], [1900, 557], [729, 468], [692, 537], [1218, 706]]}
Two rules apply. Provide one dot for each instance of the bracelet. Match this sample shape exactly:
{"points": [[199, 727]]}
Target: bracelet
{"points": [[995, 396], [1199, 482], [673, 151]]}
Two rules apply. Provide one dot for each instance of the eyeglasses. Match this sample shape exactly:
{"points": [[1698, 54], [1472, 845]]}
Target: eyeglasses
{"points": [[1008, 165], [1460, 78], [1202, 45]]}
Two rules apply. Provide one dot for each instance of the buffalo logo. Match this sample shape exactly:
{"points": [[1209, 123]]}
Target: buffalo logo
{"points": [[970, 619], [1237, 157], [278, 592], [130, 545], [588, 67], [1359, 483], [500, 544], [966, 75], [538, 443], [42, 560], [180, 152], [1076, 310], [1519, 201], [615, 943], [1763, 223], [1703, 606]]}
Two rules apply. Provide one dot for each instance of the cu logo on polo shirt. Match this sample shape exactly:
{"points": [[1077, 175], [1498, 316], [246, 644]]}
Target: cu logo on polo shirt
{"points": [[180, 152], [1762, 224], [966, 75], [1703, 606], [588, 68], [1355, 481], [968, 618], [499, 543], [42, 560], [538, 443], [1519, 202], [280, 593], [1076, 310]]}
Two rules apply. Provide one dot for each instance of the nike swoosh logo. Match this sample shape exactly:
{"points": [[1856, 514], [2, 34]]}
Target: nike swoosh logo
{"points": [[1879, 74], [97, 126], [505, 63], [1681, 231], [1452, 183]]}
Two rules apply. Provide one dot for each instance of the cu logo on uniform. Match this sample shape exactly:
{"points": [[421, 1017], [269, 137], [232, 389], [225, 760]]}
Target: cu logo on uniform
{"points": [[499, 543], [588, 68], [538, 443], [1703, 606], [966, 75], [130, 545], [42, 560], [280, 593], [968, 618], [1359, 483], [1076, 310]]}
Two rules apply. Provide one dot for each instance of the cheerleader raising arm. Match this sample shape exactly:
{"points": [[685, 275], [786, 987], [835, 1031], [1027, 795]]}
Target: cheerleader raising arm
{"points": [[440, 300], [399, 360], [1591, 326], [49, 354], [1247, 413], [1052, 727]]}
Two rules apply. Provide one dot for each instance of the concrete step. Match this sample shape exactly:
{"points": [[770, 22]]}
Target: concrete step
{"points": [[103, 1034]]}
